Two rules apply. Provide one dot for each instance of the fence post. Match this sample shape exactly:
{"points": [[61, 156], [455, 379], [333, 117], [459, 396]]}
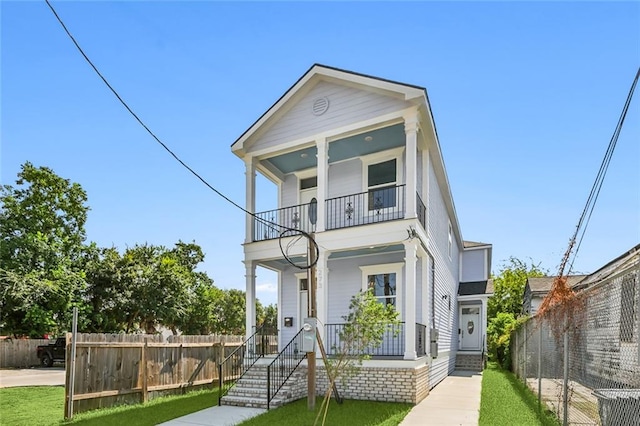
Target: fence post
{"points": [[540, 368], [565, 396], [143, 362]]}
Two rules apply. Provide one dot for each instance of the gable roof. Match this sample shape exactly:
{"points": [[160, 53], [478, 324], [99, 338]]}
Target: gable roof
{"points": [[543, 284], [474, 244], [475, 287], [319, 72], [620, 263]]}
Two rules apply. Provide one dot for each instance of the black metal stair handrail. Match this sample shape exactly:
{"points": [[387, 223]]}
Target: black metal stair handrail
{"points": [[234, 366], [283, 366]]}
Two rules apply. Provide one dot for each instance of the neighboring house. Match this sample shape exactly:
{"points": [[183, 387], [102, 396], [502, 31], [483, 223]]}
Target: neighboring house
{"points": [[361, 155], [537, 288]]}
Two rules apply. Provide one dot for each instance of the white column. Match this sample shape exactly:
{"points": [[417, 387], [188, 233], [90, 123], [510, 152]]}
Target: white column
{"points": [[323, 174], [250, 197], [322, 292], [424, 266], [410, 300], [250, 297], [411, 135]]}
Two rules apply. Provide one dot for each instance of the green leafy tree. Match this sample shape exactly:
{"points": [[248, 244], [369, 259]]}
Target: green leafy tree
{"points": [[268, 316], [231, 311], [202, 315], [509, 285], [42, 221], [365, 326], [505, 306]]}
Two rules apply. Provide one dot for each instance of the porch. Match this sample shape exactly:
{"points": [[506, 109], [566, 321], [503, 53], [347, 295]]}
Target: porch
{"points": [[363, 208]]}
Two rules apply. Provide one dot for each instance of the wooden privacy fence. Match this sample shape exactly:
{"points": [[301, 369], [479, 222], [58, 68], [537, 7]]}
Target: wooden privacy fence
{"points": [[117, 369], [20, 352]]}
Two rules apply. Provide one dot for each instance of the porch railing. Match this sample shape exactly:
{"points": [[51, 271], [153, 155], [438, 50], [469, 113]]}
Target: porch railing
{"points": [[373, 206], [392, 341], [244, 357], [421, 339], [421, 210], [283, 366], [266, 223]]}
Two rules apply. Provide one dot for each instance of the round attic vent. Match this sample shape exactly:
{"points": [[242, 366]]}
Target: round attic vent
{"points": [[320, 106]]}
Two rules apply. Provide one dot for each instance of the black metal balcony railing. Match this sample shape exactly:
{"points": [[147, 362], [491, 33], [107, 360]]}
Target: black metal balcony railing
{"points": [[421, 210], [295, 217], [376, 205], [392, 341]]}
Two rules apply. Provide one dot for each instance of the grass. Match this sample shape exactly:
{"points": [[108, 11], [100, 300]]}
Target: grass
{"points": [[351, 413], [505, 400], [44, 406]]}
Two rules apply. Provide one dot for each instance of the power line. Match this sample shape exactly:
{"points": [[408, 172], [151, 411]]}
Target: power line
{"points": [[585, 217], [193, 172]]}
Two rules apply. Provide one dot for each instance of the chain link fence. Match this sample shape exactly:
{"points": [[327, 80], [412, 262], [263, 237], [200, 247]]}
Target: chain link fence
{"points": [[585, 365]]}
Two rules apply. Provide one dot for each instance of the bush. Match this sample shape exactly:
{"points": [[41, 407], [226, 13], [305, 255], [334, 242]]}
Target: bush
{"points": [[498, 338]]}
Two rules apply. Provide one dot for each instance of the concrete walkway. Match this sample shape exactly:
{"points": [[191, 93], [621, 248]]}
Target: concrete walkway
{"points": [[454, 401], [224, 415]]}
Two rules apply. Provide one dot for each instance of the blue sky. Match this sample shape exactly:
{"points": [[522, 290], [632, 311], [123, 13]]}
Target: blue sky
{"points": [[525, 98]]}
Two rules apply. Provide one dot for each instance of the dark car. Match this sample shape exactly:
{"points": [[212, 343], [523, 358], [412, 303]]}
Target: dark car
{"points": [[53, 352]]}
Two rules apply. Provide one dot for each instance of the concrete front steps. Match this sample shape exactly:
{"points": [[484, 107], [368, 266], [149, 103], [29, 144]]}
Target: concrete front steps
{"points": [[251, 389], [469, 362]]}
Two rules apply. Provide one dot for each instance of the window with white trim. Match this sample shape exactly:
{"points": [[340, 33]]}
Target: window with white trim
{"points": [[381, 184], [384, 281]]}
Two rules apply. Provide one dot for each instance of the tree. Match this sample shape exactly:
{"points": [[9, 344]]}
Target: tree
{"points": [[268, 316], [42, 232], [505, 306], [509, 285], [365, 326]]}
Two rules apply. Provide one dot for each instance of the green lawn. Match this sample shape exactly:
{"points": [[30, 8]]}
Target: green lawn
{"points": [[350, 413], [506, 401], [44, 405]]}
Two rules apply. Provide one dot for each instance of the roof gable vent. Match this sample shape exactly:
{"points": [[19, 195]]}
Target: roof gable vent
{"points": [[320, 106]]}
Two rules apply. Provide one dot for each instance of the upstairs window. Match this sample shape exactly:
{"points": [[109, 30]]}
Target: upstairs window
{"points": [[381, 183]]}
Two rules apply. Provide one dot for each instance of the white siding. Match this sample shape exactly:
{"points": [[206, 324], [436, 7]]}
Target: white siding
{"points": [[289, 188], [473, 265], [346, 105], [421, 317], [289, 304], [345, 280], [446, 283], [345, 178]]}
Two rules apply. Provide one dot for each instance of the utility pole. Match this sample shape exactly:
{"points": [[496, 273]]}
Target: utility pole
{"points": [[311, 356]]}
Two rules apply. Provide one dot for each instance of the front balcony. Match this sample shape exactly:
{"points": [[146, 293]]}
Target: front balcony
{"points": [[364, 208]]}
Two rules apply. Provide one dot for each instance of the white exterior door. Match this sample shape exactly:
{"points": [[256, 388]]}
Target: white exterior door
{"points": [[470, 328]]}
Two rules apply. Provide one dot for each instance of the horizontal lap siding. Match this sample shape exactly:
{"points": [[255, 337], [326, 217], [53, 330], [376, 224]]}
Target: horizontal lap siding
{"points": [[345, 280], [473, 266], [289, 191], [346, 105], [345, 178], [446, 284], [289, 305]]}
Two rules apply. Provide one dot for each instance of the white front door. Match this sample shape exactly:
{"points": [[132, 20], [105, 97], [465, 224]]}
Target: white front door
{"points": [[470, 328]]}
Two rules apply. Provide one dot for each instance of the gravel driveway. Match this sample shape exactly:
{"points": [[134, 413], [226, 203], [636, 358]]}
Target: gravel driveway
{"points": [[31, 377]]}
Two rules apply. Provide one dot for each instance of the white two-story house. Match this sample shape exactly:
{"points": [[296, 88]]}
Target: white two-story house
{"points": [[356, 160]]}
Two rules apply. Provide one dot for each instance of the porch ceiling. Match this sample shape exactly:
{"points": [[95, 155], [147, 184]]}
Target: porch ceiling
{"points": [[366, 251], [341, 149]]}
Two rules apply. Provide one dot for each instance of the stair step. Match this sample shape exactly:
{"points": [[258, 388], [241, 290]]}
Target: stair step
{"points": [[250, 401]]}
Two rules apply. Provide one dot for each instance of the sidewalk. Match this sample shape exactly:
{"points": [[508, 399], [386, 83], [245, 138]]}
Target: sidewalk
{"points": [[225, 415], [454, 401]]}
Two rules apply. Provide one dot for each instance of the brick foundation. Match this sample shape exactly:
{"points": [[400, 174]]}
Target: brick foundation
{"points": [[391, 384]]}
